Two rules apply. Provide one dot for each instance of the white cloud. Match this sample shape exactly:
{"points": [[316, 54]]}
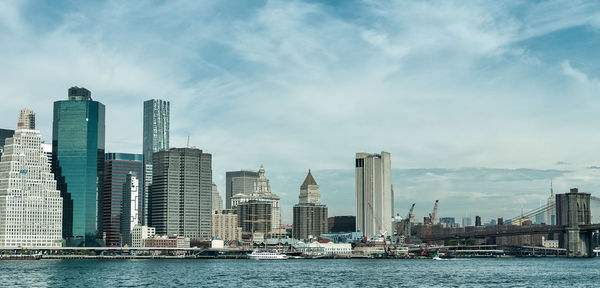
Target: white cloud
{"points": [[301, 85]]}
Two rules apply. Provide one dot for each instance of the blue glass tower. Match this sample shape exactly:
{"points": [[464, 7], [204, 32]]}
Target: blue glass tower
{"points": [[156, 138], [78, 165]]}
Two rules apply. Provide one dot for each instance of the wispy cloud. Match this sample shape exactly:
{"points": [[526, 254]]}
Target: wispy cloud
{"points": [[303, 84]]}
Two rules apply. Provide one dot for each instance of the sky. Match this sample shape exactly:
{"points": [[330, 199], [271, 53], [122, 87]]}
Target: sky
{"points": [[480, 103]]}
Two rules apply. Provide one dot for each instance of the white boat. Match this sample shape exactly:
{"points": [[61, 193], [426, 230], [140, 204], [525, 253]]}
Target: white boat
{"points": [[267, 255]]}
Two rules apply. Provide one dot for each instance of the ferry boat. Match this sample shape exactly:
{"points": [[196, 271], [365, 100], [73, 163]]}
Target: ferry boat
{"points": [[267, 255]]}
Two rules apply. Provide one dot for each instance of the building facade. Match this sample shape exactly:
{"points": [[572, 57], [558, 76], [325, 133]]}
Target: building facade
{"points": [[225, 225], [181, 195], [341, 224], [78, 166], [139, 234], [156, 138], [130, 214], [239, 182], [167, 241], [309, 191], [116, 170], [217, 201], [4, 133], [254, 217], [374, 195], [262, 192], [310, 218], [310, 221], [30, 204], [26, 119]]}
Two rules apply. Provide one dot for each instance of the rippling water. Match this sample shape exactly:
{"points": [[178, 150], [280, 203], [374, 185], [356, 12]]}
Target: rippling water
{"points": [[517, 272]]}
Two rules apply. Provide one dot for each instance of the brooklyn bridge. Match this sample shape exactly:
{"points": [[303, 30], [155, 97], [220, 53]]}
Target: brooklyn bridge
{"points": [[573, 229]]}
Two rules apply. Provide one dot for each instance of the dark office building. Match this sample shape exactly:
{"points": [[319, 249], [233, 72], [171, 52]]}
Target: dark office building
{"points": [[309, 220], [345, 224], [116, 169], [181, 194], [254, 216], [238, 182], [4, 133], [78, 165]]}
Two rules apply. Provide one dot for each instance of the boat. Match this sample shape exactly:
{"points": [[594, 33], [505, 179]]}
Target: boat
{"points": [[436, 256], [267, 255]]}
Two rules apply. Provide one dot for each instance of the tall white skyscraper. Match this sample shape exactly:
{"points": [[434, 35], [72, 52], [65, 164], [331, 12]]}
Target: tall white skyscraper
{"points": [[30, 204], [551, 212], [374, 195]]}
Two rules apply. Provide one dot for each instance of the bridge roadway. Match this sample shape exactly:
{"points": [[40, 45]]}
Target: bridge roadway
{"points": [[440, 233]]}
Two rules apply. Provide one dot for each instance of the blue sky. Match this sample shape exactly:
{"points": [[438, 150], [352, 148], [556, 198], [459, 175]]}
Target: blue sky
{"points": [[481, 103]]}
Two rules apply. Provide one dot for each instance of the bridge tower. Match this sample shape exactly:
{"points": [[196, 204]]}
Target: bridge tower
{"points": [[572, 210]]}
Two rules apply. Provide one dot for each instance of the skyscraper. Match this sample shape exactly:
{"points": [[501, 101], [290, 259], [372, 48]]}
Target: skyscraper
{"points": [[237, 182], [262, 193], [156, 138], [130, 211], [309, 191], [30, 204], [217, 202], [78, 165], [374, 196], [310, 218], [181, 195], [117, 167], [4, 133], [26, 119]]}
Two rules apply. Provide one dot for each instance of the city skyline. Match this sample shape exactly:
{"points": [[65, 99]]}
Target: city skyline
{"points": [[480, 135]]}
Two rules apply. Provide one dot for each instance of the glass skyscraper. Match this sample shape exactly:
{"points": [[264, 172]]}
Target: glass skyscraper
{"points": [[156, 138], [78, 165], [117, 167]]}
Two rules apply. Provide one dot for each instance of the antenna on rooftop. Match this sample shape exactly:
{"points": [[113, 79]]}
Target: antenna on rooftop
{"points": [[188, 142]]}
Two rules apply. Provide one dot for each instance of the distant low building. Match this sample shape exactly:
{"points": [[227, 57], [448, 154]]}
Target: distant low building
{"points": [[338, 224], [167, 241], [328, 249], [225, 225], [139, 234]]}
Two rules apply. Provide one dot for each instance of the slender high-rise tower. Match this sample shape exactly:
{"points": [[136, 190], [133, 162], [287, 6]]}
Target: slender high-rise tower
{"points": [[78, 165], [156, 138], [30, 204], [374, 199]]}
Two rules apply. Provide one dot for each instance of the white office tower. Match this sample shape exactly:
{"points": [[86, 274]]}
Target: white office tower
{"points": [[30, 204], [130, 215], [374, 195]]}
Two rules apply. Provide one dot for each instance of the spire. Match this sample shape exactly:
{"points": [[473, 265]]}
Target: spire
{"points": [[309, 180], [551, 189]]}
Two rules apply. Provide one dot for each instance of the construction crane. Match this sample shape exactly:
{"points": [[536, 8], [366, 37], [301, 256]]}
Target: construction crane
{"points": [[429, 228], [433, 214], [386, 249], [406, 226]]}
